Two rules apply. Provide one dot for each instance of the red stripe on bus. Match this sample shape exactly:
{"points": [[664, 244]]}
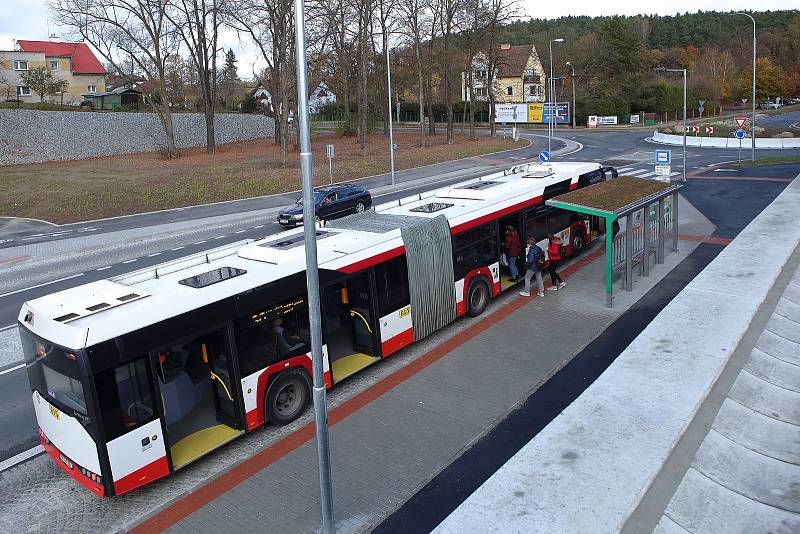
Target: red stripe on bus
{"points": [[573, 187], [491, 216], [393, 344], [55, 455], [302, 361], [374, 260], [140, 477]]}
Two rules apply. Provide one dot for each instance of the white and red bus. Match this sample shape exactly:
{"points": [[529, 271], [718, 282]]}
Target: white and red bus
{"points": [[136, 376]]}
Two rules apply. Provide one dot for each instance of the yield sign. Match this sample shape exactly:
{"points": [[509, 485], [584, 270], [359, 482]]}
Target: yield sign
{"points": [[740, 121]]}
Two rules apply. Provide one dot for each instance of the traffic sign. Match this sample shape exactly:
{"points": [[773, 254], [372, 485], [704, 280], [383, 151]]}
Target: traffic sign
{"points": [[739, 134], [695, 129], [544, 156], [329, 150], [663, 170], [709, 130], [741, 121], [663, 157]]}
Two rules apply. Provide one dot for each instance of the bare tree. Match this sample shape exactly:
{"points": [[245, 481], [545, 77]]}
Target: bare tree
{"points": [[119, 30], [197, 22], [365, 12], [270, 25], [385, 11], [448, 10], [413, 24], [499, 12]]}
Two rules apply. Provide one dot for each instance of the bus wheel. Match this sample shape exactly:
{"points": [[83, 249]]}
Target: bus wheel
{"points": [[288, 397], [578, 242], [477, 297]]}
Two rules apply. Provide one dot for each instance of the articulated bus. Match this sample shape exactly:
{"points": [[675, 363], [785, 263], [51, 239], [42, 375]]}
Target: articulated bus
{"points": [[135, 377]]}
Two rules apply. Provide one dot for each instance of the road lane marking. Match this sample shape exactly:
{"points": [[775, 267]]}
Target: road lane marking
{"points": [[130, 261], [176, 248], [20, 366], [7, 327], [200, 242], [637, 171], [21, 457], [648, 174], [41, 285], [240, 232], [154, 255], [259, 226], [220, 237], [103, 268], [625, 169]]}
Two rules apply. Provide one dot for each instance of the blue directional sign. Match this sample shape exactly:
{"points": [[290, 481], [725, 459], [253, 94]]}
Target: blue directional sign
{"points": [[544, 156], [663, 157], [739, 134]]}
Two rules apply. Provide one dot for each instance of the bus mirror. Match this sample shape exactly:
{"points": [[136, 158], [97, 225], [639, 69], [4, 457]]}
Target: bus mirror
{"points": [[345, 299]]}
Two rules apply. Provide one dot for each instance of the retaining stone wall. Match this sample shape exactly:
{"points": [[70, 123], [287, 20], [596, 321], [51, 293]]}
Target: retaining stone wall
{"points": [[29, 136]]}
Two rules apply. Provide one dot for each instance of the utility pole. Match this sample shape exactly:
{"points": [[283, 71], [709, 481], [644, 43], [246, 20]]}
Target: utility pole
{"points": [[550, 88], [753, 128], [662, 69], [574, 109], [312, 273]]}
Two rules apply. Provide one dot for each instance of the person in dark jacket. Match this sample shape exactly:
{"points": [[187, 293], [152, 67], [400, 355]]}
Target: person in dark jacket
{"points": [[533, 268], [554, 255], [512, 248]]}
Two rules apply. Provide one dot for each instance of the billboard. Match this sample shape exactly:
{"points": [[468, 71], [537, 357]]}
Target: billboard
{"points": [[531, 113]]}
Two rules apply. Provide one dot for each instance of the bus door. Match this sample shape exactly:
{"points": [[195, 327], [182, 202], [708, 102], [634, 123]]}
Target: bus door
{"points": [[506, 271], [351, 325], [200, 402]]}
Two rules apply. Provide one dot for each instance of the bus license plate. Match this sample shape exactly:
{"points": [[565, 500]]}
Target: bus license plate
{"points": [[54, 412]]}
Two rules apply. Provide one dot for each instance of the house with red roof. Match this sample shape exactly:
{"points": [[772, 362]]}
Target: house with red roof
{"points": [[519, 76], [73, 62]]}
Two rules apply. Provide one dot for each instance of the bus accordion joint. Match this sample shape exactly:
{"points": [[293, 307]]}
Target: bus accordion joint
{"points": [[353, 313], [214, 376]]}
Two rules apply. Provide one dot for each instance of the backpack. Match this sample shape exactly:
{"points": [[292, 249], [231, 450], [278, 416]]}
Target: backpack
{"points": [[540, 258]]}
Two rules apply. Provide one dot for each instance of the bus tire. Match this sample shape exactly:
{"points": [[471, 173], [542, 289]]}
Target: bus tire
{"points": [[478, 296], [578, 242], [288, 396]]}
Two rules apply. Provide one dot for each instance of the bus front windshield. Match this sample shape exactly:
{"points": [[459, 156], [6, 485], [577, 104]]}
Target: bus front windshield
{"points": [[53, 371]]}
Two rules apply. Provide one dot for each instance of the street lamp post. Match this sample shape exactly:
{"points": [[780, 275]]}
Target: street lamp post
{"points": [[571, 66], [389, 98], [550, 89], [312, 274], [662, 69], [753, 128]]}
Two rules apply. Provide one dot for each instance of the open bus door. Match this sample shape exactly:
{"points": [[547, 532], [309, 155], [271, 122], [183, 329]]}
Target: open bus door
{"points": [[350, 323], [199, 400]]}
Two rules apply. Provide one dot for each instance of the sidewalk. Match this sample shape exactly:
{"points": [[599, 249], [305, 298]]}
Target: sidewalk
{"points": [[635, 452]]}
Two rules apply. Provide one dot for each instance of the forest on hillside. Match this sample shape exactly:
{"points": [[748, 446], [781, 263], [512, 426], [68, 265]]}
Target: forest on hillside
{"points": [[615, 58]]}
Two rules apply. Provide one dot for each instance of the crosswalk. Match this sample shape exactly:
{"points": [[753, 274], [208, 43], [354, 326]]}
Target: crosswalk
{"points": [[646, 172]]}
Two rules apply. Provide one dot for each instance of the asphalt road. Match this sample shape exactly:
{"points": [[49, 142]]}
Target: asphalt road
{"points": [[712, 193]]}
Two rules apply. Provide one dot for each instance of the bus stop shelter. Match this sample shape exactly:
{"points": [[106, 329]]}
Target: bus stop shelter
{"points": [[625, 197]]}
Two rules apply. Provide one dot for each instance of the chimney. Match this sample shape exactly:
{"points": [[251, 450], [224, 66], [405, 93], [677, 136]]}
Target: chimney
{"points": [[505, 46]]}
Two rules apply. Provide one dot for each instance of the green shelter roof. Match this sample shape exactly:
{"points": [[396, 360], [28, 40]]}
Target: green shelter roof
{"points": [[614, 197]]}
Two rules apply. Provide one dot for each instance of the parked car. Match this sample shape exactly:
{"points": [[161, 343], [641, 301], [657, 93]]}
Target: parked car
{"points": [[330, 202], [795, 100], [770, 105]]}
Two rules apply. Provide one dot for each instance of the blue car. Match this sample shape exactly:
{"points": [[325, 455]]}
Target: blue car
{"points": [[330, 202]]}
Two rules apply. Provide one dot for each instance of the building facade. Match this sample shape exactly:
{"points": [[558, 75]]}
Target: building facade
{"points": [[74, 63], [519, 77]]}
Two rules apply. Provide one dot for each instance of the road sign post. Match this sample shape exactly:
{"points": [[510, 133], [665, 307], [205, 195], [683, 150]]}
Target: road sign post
{"points": [[544, 156], [329, 150], [663, 157], [740, 133]]}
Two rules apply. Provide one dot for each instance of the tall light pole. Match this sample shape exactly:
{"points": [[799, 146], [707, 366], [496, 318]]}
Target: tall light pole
{"points": [[312, 273], [662, 69], [571, 66], [550, 87], [389, 98], [753, 128]]}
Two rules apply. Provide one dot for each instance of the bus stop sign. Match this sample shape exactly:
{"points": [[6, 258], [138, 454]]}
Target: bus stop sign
{"points": [[544, 156], [663, 157]]}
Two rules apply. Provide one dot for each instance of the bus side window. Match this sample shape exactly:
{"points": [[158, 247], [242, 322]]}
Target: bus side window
{"points": [[392, 281], [125, 398], [475, 248], [558, 221]]}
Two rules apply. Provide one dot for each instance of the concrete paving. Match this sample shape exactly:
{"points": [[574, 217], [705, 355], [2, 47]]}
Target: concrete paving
{"points": [[591, 469]]}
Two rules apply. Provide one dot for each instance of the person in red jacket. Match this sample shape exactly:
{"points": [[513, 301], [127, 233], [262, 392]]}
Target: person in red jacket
{"points": [[512, 248], [554, 255]]}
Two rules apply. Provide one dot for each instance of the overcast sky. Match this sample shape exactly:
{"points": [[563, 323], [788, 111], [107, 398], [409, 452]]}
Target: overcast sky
{"points": [[28, 20]]}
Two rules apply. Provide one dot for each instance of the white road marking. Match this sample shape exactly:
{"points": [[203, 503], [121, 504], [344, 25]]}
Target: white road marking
{"points": [[220, 237], [648, 175], [176, 248], [200, 242], [20, 366], [21, 457], [637, 171], [259, 226], [88, 229], [130, 261], [41, 285], [240, 232], [103, 268], [154, 255], [625, 169], [8, 327]]}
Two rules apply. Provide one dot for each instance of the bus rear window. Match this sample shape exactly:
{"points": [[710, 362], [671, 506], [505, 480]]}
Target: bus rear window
{"points": [[53, 371]]}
